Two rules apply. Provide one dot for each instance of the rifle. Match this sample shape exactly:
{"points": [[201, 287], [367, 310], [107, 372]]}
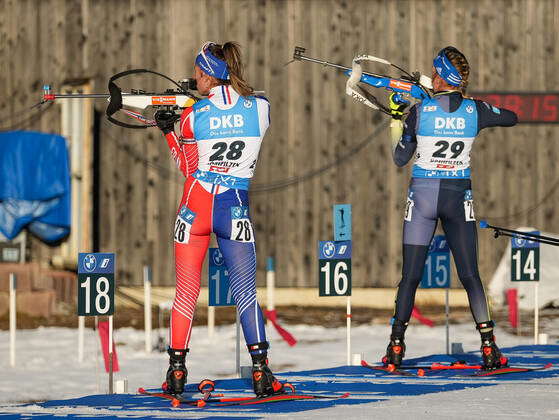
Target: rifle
{"points": [[414, 85], [173, 99]]}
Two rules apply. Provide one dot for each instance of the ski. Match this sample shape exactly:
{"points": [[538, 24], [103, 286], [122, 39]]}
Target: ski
{"points": [[177, 400], [217, 400], [422, 370], [507, 370], [226, 402], [388, 369]]}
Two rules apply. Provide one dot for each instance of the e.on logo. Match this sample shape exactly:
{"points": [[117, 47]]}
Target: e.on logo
{"points": [[453, 123], [226, 121]]}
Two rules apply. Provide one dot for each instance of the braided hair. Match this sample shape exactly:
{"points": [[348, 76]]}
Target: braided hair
{"points": [[459, 61]]}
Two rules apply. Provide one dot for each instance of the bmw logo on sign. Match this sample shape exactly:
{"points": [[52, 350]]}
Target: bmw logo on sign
{"points": [[329, 249], [89, 262], [217, 257]]}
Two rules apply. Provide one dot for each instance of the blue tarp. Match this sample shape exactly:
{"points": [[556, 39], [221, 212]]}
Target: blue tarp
{"points": [[34, 184]]}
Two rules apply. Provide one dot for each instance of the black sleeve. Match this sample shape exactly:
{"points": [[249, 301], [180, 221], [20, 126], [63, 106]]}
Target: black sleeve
{"points": [[491, 116], [408, 142]]}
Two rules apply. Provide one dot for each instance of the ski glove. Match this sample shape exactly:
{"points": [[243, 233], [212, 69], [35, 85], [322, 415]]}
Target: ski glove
{"points": [[165, 120], [397, 105]]}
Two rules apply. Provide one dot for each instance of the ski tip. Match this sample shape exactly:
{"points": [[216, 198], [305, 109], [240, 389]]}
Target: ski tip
{"points": [[345, 395], [391, 367], [175, 403], [141, 390], [200, 403], [364, 363], [420, 372]]}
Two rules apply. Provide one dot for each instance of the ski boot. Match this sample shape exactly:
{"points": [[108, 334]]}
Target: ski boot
{"points": [[395, 352], [177, 372], [491, 355], [396, 348], [263, 381]]}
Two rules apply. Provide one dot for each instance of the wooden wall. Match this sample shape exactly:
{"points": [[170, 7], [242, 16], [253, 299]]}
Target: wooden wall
{"points": [[511, 46]]}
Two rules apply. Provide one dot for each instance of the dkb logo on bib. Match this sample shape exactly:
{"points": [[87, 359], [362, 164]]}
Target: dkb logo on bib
{"points": [[227, 121]]}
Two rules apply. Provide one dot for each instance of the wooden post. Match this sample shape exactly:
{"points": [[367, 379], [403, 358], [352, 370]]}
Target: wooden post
{"points": [[13, 287]]}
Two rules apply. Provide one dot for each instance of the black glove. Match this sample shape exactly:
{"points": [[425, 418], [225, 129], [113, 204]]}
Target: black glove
{"points": [[165, 120]]}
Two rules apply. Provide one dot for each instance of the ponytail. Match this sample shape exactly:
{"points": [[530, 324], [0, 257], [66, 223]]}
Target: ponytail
{"points": [[231, 53]]}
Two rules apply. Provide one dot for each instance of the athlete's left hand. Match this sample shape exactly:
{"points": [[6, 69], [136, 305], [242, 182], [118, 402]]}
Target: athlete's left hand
{"points": [[397, 105], [165, 120]]}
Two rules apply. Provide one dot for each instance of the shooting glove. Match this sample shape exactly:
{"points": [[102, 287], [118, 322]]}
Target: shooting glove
{"points": [[165, 120], [397, 105]]}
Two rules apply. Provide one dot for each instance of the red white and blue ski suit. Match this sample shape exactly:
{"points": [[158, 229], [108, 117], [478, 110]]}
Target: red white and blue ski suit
{"points": [[217, 151]]}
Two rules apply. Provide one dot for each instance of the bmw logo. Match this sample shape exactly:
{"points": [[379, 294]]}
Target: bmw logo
{"points": [[89, 262], [247, 103], [469, 109], [328, 249], [217, 257]]}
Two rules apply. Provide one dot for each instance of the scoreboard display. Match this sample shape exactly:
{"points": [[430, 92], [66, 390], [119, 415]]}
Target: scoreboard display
{"points": [[530, 107]]}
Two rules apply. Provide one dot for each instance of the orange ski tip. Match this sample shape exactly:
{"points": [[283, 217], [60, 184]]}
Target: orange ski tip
{"points": [[391, 367], [420, 372], [175, 403], [200, 403]]}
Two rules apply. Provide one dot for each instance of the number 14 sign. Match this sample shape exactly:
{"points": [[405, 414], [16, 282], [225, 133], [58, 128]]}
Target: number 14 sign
{"points": [[525, 259]]}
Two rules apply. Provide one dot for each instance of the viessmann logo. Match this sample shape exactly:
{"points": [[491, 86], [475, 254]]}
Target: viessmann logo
{"points": [[163, 100], [400, 85]]}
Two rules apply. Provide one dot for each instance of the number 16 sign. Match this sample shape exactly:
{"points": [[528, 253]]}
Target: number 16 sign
{"points": [[334, 264]]}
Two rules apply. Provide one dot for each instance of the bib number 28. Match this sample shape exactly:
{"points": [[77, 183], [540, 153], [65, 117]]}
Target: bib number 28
{"points": [[183, 224], [241, 227]]}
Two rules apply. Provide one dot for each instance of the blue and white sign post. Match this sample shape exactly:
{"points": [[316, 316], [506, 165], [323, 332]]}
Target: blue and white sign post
{"points": [[436, 274], [334, 264], [220, 295], [525, 266], [96, 292]]}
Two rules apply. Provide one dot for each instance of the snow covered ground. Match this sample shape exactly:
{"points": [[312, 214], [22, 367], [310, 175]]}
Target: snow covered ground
{"points": [[47, 368]]}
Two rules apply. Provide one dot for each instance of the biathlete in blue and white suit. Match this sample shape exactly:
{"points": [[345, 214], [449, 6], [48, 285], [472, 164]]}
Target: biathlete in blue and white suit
{"points": [[217, 150], [440, 133]]}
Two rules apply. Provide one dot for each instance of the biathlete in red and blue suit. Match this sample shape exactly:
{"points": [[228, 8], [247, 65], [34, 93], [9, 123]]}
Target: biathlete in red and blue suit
{"points": [[217, 151]]}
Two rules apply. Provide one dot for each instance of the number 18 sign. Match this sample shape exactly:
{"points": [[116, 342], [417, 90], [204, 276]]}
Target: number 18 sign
{"points": [[96, 283]]}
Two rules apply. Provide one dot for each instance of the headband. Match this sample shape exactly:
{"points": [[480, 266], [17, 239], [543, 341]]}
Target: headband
{"points": [[210, 64], [446, 70]]}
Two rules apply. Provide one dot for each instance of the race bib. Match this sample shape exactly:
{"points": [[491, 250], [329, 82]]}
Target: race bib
{"points": [[183, 224], [241, 227], [409, 207], [469, 206]]}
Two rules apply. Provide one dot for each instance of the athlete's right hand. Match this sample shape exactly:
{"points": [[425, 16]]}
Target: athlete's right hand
{"points": [[397, 105], [165, 120]]}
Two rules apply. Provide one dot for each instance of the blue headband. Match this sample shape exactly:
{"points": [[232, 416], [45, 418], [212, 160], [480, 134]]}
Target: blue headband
{"points": [[446, 70], [210, 64]]}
